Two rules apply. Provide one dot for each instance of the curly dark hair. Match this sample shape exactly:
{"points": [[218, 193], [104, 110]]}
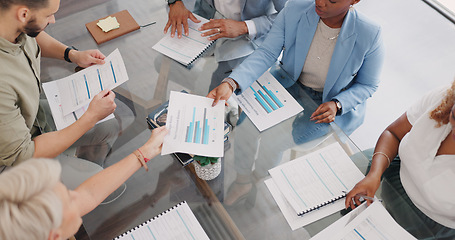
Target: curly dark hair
{"points": [[36, 4], [441, 114]]}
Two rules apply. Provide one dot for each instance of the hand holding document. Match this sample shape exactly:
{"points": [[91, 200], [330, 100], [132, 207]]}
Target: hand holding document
{"points": [[77, 90], [195, 127], [69, 97]]}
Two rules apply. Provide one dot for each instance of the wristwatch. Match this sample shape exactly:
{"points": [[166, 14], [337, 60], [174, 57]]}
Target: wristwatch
{"points": [[170, 2], [338, 104], [67, 51]]}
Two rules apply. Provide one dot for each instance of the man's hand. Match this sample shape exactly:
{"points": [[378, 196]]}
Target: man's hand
{"points": [[222, 92], [101, 105], [178, 16], [86, 58], [223, 28], [325, 113]]}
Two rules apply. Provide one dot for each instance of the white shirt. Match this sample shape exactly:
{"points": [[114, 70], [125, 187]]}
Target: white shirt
{"points": [[428, 179]]}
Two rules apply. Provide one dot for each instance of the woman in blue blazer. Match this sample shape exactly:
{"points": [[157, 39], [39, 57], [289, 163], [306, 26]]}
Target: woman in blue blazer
{"points": [[353, 73]]}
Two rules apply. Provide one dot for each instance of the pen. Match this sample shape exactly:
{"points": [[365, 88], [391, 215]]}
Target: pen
{"points": [[148, 24], [365, 197]]}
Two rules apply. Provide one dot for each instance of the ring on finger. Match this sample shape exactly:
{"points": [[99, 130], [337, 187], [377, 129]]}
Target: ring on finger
{"points": [[218, 30]]}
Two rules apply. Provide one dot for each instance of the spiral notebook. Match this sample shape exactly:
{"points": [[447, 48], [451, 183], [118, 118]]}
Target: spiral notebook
{"points": [[187, 49], [178, 222], [317, 179]]}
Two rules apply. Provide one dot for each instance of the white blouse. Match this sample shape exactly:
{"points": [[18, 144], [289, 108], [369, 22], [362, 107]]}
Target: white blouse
{"points": [[429, 180]]}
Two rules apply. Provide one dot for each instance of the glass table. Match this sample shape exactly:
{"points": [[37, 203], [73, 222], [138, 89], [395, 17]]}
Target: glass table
{"points": [[253, 215]]}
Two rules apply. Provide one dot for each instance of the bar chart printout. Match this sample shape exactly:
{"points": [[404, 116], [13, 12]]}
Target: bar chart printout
{"points": [[195, 127], [267, 103], [77, 90]]}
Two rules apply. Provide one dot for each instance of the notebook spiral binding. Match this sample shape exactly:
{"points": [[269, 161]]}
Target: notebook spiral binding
{"points": [[148, 221], [322, 204], [200, 54]]}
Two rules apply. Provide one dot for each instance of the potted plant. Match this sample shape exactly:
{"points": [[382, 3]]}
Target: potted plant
{"points": [[207, 168]]}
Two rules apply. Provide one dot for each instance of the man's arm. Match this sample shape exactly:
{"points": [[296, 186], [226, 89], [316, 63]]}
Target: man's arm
{"points": [[50, 145], [52, 48]]}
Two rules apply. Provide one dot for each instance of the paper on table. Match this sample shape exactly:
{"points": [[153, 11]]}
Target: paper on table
{"points": [[78, 89], [62, 121], [316, 179], [291, 217], [188, 48], [178, 222], [195, 127], [267, 103], [373, 222], [108, 24]]}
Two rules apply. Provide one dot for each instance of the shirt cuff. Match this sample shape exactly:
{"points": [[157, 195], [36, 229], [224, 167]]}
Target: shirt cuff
{"points": [[252, 32]]}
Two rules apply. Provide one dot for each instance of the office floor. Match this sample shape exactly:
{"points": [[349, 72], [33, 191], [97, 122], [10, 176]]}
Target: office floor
{"points": [[420, 56]]}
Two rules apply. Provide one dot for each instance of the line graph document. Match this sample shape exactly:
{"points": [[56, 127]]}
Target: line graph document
{"points": [[77, 90], [317, 179], [372, 222], [188, 48], [195, 127], [267, 103], [62, 121]]}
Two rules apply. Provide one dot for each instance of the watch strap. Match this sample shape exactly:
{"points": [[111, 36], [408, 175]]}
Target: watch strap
{"points": [[67, 52]]}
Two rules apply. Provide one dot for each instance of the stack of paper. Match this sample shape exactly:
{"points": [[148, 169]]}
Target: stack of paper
{"points": [[309, 188], [108, 24]]}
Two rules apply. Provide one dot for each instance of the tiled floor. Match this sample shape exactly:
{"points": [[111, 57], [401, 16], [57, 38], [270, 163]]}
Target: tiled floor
{"points": [[420, 55]]}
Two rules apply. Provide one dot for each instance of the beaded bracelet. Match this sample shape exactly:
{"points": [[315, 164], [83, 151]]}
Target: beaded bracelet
{"points": [[388, 159], [141, 159]]}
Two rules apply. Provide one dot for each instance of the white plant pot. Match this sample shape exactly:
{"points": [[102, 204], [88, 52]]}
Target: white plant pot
{"points": [[208, 172]]}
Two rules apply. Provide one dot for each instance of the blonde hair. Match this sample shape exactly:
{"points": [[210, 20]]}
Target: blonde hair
{"points": [[441, 114], [29, 207]]}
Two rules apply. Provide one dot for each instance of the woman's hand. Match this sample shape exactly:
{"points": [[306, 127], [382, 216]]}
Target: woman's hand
{"points": [[222, 92], [86, 58], [368, 187], [219, 28], [153, 146], [325, 113]]}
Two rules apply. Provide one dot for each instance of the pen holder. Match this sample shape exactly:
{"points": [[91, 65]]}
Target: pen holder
{"points": [[207, 169]]}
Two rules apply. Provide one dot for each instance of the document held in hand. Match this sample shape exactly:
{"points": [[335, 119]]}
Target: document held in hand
{"points": [[195, 127], [77, 90]]}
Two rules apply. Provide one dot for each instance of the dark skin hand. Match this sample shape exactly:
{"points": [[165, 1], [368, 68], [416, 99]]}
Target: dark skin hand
{"points": [[325, 113]]}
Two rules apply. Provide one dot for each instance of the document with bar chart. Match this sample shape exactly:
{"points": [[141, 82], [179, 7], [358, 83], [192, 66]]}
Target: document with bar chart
{"points": [[267, 103], [77, 90], [195, 127]]}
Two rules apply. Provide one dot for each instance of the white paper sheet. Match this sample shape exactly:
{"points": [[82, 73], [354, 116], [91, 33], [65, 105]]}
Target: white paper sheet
{"points": [[372, 223], [314, 179], [178, 222], [195, 127], [77, 90], [291, 217], [267, 103], [62, 121], [188, 48]]}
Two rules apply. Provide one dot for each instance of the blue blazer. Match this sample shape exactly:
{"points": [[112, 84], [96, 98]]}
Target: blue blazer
{"points": [[354, 70]]}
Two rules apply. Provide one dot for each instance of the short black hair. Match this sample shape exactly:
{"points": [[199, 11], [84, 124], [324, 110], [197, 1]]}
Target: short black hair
{"points": [[35, 4]]}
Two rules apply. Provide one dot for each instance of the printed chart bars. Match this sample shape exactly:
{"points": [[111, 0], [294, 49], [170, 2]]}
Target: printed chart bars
{"points": [[198, 130], [195, 127], [267, 103], [78, 89]]}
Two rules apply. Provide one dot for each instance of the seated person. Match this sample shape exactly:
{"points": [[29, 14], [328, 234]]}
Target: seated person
{"points": [[243, 27], [424, 139], [34, 204], [22, 119], [331, 53]]}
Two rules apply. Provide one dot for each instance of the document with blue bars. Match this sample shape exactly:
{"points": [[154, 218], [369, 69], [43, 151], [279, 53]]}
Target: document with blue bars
{"points": [[267, 103]]}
